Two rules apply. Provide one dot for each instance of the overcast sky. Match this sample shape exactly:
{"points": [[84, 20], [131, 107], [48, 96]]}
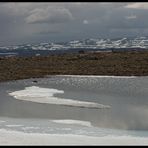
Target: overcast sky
{"points": [[45, 22]]}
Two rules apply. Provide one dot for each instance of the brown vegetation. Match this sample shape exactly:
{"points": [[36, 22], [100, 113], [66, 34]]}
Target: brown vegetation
{"points": [[118, 63]]}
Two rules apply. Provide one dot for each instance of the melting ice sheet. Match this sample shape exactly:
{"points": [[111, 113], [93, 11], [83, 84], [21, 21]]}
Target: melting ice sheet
{"points": [[97, 76], [19, 138], [76, 122], [64, 132], [46, 95]]}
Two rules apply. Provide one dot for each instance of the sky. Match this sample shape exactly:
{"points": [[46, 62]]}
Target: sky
{"points": [[57, 22]]}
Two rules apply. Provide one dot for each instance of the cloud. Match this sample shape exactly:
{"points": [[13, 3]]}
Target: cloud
{"points": [[85, 22], [16, 9], [47, 31], [137, 6], [49, 15], [131, 17], [66, 21]]}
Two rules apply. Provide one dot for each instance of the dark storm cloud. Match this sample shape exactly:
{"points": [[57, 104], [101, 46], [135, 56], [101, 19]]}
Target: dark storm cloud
{"points": [[35, 22]]}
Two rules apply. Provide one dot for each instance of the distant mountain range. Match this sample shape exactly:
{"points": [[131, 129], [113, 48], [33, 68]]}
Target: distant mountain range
{"points": [[137, 43]]}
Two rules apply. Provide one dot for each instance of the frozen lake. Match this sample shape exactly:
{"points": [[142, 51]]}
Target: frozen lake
{"points": [[97, 109]]}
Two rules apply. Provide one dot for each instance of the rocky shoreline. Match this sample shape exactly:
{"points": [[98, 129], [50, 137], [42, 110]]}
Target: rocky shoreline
{"points": [[102, 63]]}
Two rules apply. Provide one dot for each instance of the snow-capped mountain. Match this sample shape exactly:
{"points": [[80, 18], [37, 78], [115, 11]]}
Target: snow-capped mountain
{"points": [[138, 42]]}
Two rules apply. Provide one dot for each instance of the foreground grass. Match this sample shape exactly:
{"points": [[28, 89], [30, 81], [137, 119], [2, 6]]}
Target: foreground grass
{"points": [[119, 63]]}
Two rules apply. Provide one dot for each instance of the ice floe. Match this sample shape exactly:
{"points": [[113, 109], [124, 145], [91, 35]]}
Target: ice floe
{"points": [[46, 95]]}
